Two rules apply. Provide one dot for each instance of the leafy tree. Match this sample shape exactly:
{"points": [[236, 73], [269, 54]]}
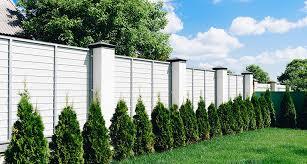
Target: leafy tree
{"points": [[134, 26], [265, 111], [214, 121], [302, 118], [178, 131], [122, 132], [267, 96], [295, 75], [236, 107], [66, 145], [287, 114], [28, 144], [189, 120], [252, 115], [96, 143], [161, 125], [259, 74], [202, 120], [258, 113], [144, 142]]}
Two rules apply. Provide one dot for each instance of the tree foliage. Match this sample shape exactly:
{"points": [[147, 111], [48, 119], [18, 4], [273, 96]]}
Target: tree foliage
{"points": [[189, 120], [122, 132], [66, 145], [144, 142], [225, 118], [295, 75], [265, 111], [202, 120], [160, 118], [96, 143], [267, 96], [134, 26], [214, 121], [259, 74], [251, 113], [286, 117], [178, 130], [258, 113], [237, 113], [28, 144]]}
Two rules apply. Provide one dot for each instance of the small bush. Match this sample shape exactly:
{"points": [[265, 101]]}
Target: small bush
{"points": [[244, 114], [66, 145], [96, 143], [252, 116], [232, 123], [270, 105], [287, 113], [122, 132], [144, 142], [258, 113], [236, 107], [28, 144], [214, 121], [178, 131], [202, 120], [161, 125], [265, 111], [189, 120], [223, 116]]}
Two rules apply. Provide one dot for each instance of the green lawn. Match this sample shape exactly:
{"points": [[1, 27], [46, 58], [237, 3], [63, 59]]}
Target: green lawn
{"points": [[261, 146]]}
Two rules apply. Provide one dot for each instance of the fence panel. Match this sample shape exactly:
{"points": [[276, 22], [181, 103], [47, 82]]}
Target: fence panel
{"points": [[198, 87], [240, 85], [210, 87], [161, 80], [188, 84], [232, 87], [4, 51]]}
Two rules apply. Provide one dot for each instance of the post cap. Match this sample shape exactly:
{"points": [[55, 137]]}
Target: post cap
{"points": [[270, 82], [219, 68], [176, 59], [246, 73], [101, 44]]}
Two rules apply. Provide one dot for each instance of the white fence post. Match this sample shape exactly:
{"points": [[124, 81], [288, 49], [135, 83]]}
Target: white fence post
{"points": [[221, 85], [273, 86], [103, 80], [248, 84], [178, 80]]}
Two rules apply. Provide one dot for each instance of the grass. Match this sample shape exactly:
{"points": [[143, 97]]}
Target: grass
{"points": [[269, 145]]}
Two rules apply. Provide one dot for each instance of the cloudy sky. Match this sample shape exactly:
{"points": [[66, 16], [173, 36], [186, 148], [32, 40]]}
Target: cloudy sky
{"points": [[235, 33]]}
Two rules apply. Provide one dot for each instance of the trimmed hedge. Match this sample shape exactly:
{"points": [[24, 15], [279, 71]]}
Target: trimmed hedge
{"points": [[214, 121], [202, 120], [178, 130], [189, 120]]}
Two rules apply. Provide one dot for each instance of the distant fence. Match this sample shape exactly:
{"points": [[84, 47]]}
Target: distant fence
{"points": [[52, 72]]}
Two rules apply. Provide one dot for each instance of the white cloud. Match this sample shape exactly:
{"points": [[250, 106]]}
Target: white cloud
{"points": [[250, 26], [305, 6], [215, 43]]}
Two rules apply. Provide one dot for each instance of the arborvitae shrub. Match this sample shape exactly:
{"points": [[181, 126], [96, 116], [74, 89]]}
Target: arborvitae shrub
{"points": [[270, 105], [177, 127], [214, 121], [244, 113], [232, 123], [189, 120], [251, 113], [96, 143], [287, 113], [144, 142], [265, 111], [122, 132], [236, 107], [28, 144], [258, 113], [161, 124], [302, 117], [66, 145], [224, 118], [202, 120]]}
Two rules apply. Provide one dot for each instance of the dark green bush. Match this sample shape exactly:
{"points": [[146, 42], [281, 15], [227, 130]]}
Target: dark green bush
{"points": [[265, 111], [287, 114], [214, 121], [96, 143], [244, 113], [189, 120], [202, 120], [224, 118], [144, 142], [177, 127], [232, 123], [258, 113], [236, 108], [270, 105], [122, 132], [302, 117], [160, 118], [66, 145], [28, 144], [252, 116]]}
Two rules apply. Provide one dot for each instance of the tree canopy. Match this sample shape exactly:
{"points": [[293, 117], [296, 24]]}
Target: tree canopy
{"points": [[259, 73], [134, 26], [295, 75]]}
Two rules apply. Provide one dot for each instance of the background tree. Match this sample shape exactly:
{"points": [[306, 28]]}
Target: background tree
{"points": [[178, 130], [214, 121], [122, 132], [134, 26], [259, 74], [189, 120], [258, 113], [66, 145], [161, 125], [295, 75], [28, 144], [144, 141], [270, 105], [202, 120], [96, 143], [287, 115]]}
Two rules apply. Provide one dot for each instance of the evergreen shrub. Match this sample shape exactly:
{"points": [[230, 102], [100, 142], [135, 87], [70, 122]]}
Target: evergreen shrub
{"points": [[202, 120], [178, 131]]}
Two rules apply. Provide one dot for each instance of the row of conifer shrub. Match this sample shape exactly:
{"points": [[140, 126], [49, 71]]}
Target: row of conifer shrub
{"points": [[128, 136]]}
